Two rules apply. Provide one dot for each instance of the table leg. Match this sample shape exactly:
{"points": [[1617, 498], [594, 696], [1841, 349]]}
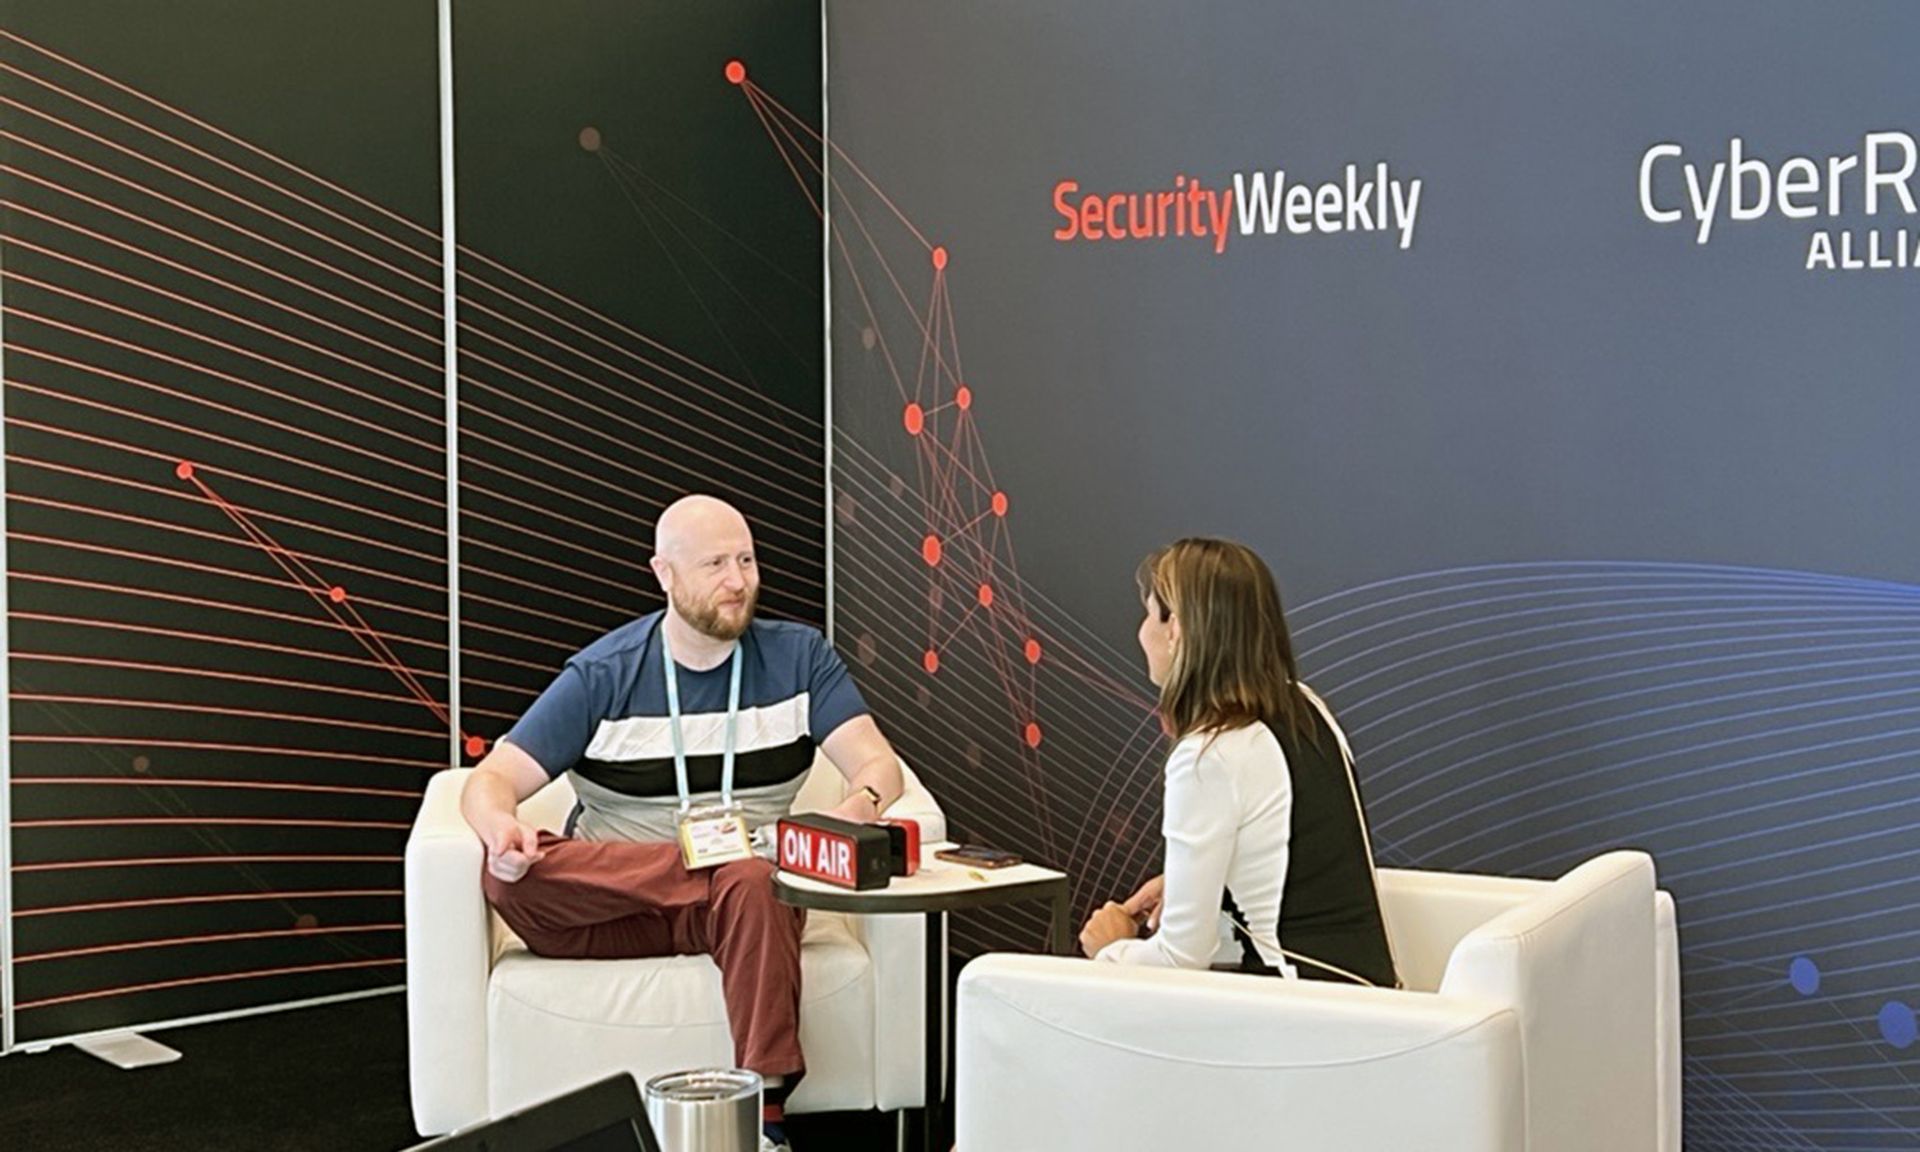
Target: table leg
{"points": [[936, 1020], [1062, 925]]}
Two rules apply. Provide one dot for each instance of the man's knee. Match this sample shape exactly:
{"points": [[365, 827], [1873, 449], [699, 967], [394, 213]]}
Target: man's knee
{"points": [[749, 879]]}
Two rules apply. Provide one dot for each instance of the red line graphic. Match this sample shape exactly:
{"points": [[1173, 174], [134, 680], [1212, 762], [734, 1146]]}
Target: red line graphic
{"points": [[409, 795], [214, 898], [129, 989], [982, 639], [201, 821], [224, 135], [220, 938], [148, 861], [332, 598]]}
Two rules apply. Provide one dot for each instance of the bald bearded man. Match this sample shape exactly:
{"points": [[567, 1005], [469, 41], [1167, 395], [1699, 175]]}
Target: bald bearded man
{"points": [[662, 714]]}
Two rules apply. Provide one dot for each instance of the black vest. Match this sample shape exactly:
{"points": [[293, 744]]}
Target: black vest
{"points": [[1329, 910]]}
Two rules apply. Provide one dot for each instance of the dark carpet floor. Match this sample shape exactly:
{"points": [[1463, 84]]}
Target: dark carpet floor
{"points": [[326, 1079]]}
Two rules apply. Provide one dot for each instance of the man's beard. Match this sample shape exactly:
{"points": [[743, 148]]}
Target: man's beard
{"points": [[708, 619]]}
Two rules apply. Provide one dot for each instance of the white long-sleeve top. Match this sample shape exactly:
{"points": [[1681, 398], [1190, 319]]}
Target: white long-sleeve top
{"points": [[1229, 816]]}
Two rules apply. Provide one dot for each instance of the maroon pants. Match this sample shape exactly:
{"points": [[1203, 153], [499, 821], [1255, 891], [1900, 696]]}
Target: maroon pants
{"points": [[604, 901]]}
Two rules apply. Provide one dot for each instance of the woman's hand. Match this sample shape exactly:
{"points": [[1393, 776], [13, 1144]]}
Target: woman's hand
{"points": [[1147, 901], [1110, 923]]}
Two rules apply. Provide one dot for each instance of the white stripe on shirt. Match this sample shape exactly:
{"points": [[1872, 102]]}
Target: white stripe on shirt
{"points": [[651, 737]]}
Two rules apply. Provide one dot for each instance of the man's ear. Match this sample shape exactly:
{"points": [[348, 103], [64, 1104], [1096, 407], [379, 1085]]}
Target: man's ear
{"points": [[663, 572]]}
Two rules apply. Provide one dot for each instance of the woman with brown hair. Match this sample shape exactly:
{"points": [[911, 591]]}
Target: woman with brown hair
{"points": [[1263, 816]]}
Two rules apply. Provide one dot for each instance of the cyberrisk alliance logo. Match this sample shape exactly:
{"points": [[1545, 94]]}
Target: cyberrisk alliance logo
{"points": [[1876, 182], [1251, 205]]}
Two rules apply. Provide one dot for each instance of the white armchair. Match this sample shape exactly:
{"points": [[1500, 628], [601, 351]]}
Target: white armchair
{"points": [[1429, 913], [493, 1027], [1529, 1023]]}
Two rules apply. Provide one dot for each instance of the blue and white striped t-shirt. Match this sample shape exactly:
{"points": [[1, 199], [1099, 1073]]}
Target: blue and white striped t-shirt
{"points": [[604, 719]]}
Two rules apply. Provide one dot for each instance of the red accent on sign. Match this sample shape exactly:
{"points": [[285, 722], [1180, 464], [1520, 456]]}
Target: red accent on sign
{"points": [[817, 853]]}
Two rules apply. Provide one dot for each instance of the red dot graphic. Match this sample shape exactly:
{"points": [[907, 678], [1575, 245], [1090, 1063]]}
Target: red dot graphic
{"points": [[930, 550], [590, 138], [337, 594], [931, 661], [939, 258], [986, 595], [915, 419], [736, 72], [999, 503], [141, 764], [1033, 735], [1033, 651], [476, 747], [963, 397], [183, 470], [306, 922]]}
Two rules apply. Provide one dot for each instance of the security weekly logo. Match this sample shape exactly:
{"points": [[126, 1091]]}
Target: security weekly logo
{"points": [[1361, 200], [1863, 201]]}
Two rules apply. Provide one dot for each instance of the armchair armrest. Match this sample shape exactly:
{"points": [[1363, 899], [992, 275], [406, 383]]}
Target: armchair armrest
{"points": [[1066, 1054], [449, 956], [916, 803], [1428, 913]]}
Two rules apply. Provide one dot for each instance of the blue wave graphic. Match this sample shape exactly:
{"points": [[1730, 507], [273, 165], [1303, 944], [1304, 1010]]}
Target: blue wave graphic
{"points": [[1756, 730]]}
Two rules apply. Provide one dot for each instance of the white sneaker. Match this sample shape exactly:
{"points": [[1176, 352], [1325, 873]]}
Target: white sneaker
{"points": [[767, 1145]]}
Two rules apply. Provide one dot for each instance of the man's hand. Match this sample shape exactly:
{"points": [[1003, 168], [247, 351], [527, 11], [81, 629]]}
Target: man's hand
{"points": [[512, 849], [1148, 901], [491, 802], [1110, 923]]}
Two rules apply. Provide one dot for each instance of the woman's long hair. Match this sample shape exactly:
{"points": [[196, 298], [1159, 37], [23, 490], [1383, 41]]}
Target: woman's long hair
{"points": [[1234, 663]]}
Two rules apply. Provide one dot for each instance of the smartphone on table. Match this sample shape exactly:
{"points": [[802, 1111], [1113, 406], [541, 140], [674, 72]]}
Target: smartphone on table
{"points": [[977, 856]]}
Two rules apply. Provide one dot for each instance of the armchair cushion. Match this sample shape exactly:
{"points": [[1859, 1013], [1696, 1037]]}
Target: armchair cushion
{"points": [[554, 1024]]}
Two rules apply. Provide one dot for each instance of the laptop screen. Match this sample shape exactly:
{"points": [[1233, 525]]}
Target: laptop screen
{"points": [[603, 1117], [621, 1137]]}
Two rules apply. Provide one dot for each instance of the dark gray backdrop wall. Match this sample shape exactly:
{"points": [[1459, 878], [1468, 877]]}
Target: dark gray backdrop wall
{"points": [[224, 400], [640, 317], [227, 467], [1595, 534]]}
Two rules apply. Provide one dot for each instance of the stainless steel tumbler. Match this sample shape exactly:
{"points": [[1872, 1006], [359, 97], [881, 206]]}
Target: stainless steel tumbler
{"points": [[705, 1110]]}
